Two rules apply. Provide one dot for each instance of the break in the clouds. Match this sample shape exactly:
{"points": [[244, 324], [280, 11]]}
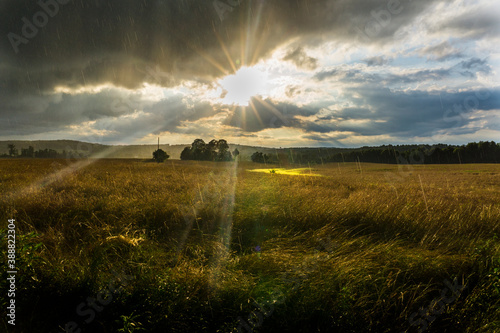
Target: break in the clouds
{"points": [[274, 73]]}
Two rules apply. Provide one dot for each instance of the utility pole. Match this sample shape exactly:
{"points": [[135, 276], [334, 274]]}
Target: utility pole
{"points": [[158, 143]]}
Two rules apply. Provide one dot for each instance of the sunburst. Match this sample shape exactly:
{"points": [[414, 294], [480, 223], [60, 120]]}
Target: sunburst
{"points": [[240, 87]]}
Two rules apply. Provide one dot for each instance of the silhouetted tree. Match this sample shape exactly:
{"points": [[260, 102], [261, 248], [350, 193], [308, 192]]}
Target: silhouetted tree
{"points": [[259, 157], [236, 153], [30, 152], [186, 154], [160, 155], [223, 148], [198, 149], [47, 153], [212, 151], [12, 150]]}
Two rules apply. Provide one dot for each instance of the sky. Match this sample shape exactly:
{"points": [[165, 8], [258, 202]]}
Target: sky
{"points": [[276, 73]]}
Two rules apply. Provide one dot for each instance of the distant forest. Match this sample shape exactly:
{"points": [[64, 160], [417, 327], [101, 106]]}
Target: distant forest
{"points": [[482, 152], [218, 150], [30, 152]]}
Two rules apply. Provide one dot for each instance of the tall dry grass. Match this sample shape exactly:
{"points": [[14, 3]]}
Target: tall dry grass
{"points": [[350, 250]]}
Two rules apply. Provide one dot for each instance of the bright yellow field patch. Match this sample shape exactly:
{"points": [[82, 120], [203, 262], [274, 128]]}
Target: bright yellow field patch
{"points": [[290, 172]]}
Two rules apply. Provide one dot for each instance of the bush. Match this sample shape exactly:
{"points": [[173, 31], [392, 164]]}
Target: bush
{"points": [[160, 156]]}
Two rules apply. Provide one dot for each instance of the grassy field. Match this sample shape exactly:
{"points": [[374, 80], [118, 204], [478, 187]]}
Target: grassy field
{"points": [[184, 246]]}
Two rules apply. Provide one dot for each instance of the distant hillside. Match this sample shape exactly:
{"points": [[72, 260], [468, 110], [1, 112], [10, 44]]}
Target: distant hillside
{"points": [[292, 155], [85, 149]]}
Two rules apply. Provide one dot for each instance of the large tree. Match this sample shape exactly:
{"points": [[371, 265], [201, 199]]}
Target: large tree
{"points": [[212, 151], [198, 149], [223, 148], [186, 154]]}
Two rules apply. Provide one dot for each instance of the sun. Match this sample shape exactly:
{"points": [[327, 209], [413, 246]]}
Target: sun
{"points": [[240, 87]]}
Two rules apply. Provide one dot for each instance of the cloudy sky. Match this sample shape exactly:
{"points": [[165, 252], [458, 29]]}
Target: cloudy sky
{"points": [[282, 73]]}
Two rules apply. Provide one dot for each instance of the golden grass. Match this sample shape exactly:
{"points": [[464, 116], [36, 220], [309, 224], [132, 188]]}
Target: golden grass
{"points": [[350, 250], [290, 172]]}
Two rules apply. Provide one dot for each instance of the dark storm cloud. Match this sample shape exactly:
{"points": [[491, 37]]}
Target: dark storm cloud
{"points": [[111, 110], [408, 114], [170, 113], [103, 41], [394, 113], [299, 57], [421, 113], [35, 114], [114, 41], [468, 68], [267, 114], [126, 43], [477, 23], [164, 116], [359, 76]]}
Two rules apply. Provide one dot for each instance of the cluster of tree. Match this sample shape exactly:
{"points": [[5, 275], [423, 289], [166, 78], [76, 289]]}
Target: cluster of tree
{"points": [[212, 151], [30, 152], [482, 152], [259, 157]]}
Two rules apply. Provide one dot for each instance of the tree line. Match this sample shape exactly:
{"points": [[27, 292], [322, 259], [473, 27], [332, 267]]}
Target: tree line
{"points": [[30, 152], [218, 151], [480, 152]]}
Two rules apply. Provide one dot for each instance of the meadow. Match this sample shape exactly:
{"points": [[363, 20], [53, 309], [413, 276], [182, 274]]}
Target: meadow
{"points": [[185, 246]]}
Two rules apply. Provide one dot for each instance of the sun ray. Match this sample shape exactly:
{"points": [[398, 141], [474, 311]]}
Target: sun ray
{"points": [[232, 112], [212, 61], [259, 43], [226, 224], [226, 52], [248, 34], [271, 108], [243, 117], [256, 113], [243, 48]]}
